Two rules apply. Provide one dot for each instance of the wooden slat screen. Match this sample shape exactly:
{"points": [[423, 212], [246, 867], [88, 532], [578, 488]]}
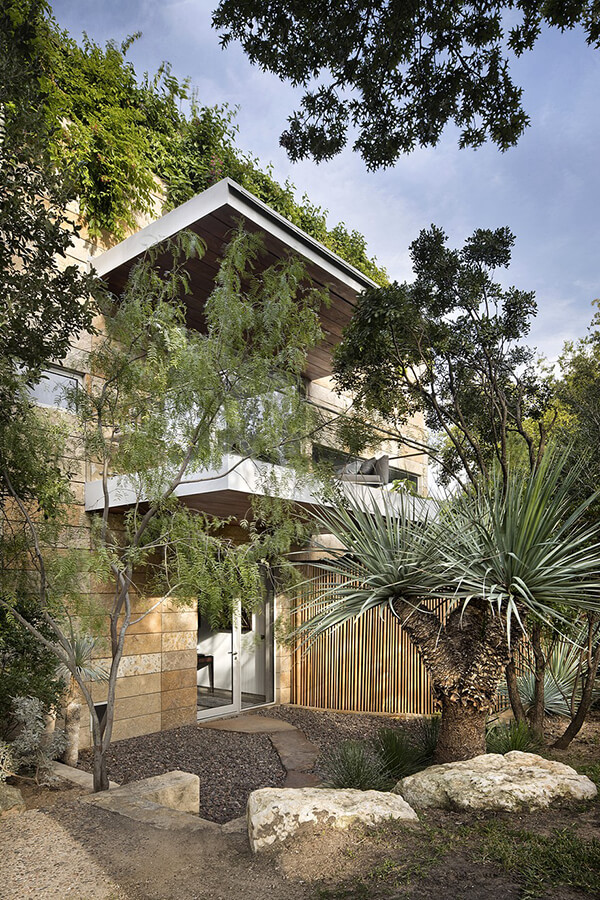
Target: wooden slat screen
{"points": [[366, 665]]}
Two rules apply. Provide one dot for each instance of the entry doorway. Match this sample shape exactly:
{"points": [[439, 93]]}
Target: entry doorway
{"points": [[236, 661]]}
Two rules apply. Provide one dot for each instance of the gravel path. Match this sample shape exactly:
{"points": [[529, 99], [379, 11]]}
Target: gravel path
{"points": [[230, 765]]}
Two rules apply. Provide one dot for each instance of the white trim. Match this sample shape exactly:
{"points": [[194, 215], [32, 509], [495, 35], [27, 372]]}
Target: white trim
{"points": [[228, 193]]}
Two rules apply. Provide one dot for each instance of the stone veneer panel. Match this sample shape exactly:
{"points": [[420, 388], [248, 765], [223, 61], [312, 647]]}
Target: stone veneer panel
{"points": [[177, 679], [179, 699], [178, 659], [127, 728], [180, 621], [179, 640], [177, 718]]}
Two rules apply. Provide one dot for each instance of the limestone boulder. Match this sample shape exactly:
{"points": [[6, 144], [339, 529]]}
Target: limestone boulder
{"points": [[11, 800], [516, 781], [275, 814]]}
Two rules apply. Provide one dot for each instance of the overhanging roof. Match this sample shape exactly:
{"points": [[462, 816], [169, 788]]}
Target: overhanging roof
{"points": [[213, 215]]}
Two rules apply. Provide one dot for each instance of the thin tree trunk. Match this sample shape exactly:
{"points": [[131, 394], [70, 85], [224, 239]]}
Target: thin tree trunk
{"points": [[462, 732], [587, 695], [536, 712], [513, 692], [100, 772]]}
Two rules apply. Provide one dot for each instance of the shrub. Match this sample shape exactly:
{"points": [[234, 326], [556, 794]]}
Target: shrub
{"points": [[6, 761], [355, 765], [398, 755], [26, 666], [33, 749], [513, 736]]}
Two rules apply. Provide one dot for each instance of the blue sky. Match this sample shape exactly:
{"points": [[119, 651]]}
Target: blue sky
{"points": [[547, 189]]}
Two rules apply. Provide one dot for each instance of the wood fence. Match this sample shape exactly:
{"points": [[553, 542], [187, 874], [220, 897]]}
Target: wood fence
{"points": [[366, 665]]}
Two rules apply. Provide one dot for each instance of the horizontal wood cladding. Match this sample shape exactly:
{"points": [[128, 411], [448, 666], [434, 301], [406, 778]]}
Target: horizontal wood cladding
{"points": [[366, 665]]}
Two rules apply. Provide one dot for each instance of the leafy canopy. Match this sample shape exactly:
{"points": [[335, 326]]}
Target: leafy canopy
{"points": [[450, 344], [390, 75], [115, 133]]}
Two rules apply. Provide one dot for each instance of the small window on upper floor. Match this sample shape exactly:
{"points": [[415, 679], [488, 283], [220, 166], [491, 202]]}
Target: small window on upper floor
{"points": [[55, 388]]}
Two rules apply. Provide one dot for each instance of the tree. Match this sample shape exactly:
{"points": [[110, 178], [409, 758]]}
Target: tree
{"points": [[391, 75], [461, 582], [45, 301], [451, 345], [166, 404]]}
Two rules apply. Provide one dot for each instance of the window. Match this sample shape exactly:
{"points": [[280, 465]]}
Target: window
{"points": [[55, 388]]}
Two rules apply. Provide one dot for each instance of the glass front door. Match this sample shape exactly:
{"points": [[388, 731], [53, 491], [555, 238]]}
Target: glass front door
{"points": [[236, 662]]}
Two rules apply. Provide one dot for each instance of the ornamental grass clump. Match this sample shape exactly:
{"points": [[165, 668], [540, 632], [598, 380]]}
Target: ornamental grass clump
{"points": [[399, 755], [513, 736], [355, 765]]}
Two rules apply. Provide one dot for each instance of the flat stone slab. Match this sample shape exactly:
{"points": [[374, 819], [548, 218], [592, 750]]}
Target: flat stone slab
{"points": [[249, 725], [170, 801], [516, 781], [296, 752], [82, 779], [275, 814], [301, 779]]}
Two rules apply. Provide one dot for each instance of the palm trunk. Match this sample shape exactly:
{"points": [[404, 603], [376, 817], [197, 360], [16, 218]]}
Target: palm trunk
{"points": [[72, 726], [462, 732]]}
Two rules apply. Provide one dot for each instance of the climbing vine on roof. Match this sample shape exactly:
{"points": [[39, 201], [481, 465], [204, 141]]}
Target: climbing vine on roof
{"points": [[115, 133]]}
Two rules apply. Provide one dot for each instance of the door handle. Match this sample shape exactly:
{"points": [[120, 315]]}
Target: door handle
{"points": [[233, 653]]}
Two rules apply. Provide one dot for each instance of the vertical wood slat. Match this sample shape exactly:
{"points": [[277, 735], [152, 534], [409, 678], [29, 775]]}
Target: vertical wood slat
{"points": [[365, 665]]}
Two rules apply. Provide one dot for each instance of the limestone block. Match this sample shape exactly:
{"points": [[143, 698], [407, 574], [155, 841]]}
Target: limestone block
{"points": [[180, 621], [175, 790], [275, 814], [179, 640], [177, 718], [178, 659], [140, 705], [132, 686], [11, 800], [178, 679], [175, 699], [140, 664], [141, 643], [516, 781], [128, 728]]}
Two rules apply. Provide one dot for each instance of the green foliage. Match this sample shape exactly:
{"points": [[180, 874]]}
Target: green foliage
{"points": [[44, 301], [428, 730], [393, 75], [451, 345], [33, 750], [354, 765], [512, 736], [26, 666], [399, 755], [560, 859], [114, 133]]}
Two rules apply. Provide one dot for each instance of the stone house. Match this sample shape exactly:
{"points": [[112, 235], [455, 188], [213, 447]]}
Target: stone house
{"points": [[176, 669]]}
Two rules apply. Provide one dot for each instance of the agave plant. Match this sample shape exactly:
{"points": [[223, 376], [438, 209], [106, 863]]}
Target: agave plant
{"points": [[81, 652], [562, 676], [462, 580]]}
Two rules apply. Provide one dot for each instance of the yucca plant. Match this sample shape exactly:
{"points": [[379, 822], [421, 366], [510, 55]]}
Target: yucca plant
{"points": [[81, 647], [461, 581]]}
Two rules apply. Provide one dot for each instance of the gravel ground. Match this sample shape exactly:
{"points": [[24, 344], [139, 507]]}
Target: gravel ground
{"points": [[327, 730], [230, 766]]}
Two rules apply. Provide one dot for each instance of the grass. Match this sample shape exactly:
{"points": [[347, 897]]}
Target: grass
{"points": [[540, 862]]}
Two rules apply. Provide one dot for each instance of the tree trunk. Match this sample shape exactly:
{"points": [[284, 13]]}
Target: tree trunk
{"points": [[587, 696], [513, 692], [462, 732], [72, 725], [536, 711], [100, 773]]}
